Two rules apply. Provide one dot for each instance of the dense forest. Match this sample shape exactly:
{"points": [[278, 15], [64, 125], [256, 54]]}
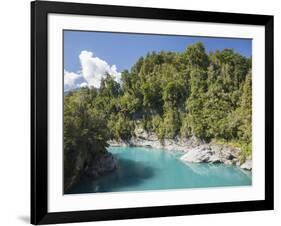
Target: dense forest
{"points": [[174, 95]]}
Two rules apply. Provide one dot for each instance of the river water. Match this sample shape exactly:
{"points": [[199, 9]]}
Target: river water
{"points": [[141, 169]]}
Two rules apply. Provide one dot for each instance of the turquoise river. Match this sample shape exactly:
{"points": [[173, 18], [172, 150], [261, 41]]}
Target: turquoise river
{"points": [[142, 169]]}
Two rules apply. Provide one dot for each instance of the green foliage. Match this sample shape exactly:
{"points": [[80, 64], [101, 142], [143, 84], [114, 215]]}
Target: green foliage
{"points": [[171, 123], [120, 127], [85, 133], [185, 129], [245, 111], [109, 87], [174, 94], [196, 56]]}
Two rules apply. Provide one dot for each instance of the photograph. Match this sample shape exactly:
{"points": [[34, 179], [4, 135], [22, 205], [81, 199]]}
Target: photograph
{"points": [[145, 112], [141, 112]]}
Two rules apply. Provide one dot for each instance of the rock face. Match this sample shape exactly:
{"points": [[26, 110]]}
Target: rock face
{"points": [[247, 165], [144, 139], [72, 175], [84, 163], [101, 164], [210, 153]]}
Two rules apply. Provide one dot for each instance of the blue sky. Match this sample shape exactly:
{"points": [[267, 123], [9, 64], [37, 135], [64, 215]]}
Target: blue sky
{"points": [[103, 50]]}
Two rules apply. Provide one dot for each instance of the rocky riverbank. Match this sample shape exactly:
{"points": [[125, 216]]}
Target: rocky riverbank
{"points": [[194, 150]]}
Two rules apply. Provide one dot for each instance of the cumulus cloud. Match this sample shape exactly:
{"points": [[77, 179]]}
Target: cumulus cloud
{"points": [[94, 69], [70, 78]]}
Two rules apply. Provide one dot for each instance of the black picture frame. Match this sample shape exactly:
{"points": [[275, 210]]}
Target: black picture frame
{"points": [[39, 112]]}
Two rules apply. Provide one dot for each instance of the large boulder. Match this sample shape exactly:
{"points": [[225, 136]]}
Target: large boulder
{"points": [[211, 154], [199, 154], [247, 165]]}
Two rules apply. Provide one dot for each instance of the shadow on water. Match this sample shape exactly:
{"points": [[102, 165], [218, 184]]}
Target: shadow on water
{"points": [[128, 174]]}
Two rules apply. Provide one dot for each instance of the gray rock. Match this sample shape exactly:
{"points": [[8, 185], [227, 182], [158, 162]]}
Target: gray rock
{"points": [[247, 165], [215, 159], [211, 154], [101, 164], [77, 167], [197, 155], [149, 139]]}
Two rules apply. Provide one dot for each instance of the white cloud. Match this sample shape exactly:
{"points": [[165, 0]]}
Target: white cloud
{"points": [[69, 79], [83, 84], [94, 69]]}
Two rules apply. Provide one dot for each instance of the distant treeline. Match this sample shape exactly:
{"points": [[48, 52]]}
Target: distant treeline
{"points": [[172, 94]]}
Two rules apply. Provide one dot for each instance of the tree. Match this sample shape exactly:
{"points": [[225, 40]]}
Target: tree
{"points": [[85, 134]]}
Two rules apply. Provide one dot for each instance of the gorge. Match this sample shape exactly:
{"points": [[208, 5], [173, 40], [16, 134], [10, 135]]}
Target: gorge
{"points": [[193, 103]]}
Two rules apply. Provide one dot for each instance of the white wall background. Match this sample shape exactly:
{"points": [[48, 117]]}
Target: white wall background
{"points": [[15, 113]]}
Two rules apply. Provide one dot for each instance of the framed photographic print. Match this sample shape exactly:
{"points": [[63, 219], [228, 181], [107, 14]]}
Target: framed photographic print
{"points": [[145, 112]]}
